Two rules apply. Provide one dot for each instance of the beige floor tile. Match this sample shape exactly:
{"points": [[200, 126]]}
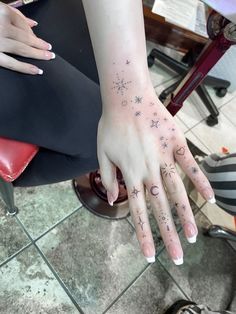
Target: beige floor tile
{"points": [[229, 110], [218, 216], [214, 138], [197, 142]]}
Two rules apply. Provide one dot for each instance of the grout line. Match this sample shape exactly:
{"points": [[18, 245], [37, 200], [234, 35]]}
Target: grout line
{"points": [[53, 271], [123, 292], [52, 227], [233, 124], [15, 254], [184, 293]]}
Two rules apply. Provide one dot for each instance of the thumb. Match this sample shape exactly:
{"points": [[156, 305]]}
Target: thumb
{"points": [[108, 177]]}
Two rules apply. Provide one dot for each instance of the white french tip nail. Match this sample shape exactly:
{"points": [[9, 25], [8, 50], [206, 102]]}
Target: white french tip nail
{"points": [[111, 203], [192, 239], [179, 261], [212, 200], [53, 55], [49, 47], [40, 72], [150, 259]]}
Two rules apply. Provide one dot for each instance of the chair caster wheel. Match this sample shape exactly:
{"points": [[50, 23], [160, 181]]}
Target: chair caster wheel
{"points": [[211, 121], [12, 211], [150, 61], [162, 98], [221, 92]]}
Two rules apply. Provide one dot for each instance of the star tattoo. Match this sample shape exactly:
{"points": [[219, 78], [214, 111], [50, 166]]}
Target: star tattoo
{"points": [[135, 192], [141, 223], [164, 145], [194, 170], [138, 99], [120, 85], [138, 113], [155, 124]]}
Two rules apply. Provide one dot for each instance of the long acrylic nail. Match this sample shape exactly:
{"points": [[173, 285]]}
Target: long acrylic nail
{"points": [[209, 195], [190, 232], [176, 254], [149, 252], [110, 198]]}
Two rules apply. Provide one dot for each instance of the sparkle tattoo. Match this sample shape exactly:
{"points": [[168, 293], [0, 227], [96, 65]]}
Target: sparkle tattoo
{"points": [[134, 193], [155, 124], [168, 170], [163, 218], [120, 85], [138, 113], [138, 99], [164, 145], [141, 223], [154, 190]]}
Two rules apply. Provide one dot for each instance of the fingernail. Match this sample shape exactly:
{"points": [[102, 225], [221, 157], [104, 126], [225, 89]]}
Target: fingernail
{"points": [[53, 55], [212, 200], [40, 72], [151, 259], [190, 232], [110, 198], [179, 261], [35, 23], [209, 195], [149, 252], [175, 253], [50, 55], [49, 47]]}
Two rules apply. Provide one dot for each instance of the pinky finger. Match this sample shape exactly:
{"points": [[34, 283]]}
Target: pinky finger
{"points": [[15, 65], [193, 171]]}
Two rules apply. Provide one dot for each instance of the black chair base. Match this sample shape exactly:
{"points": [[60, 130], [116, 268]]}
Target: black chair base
{"points": [[220, 86], [92, 195]]}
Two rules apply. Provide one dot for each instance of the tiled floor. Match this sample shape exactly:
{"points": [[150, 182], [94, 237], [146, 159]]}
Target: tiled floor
{"points": [[56, 257]]}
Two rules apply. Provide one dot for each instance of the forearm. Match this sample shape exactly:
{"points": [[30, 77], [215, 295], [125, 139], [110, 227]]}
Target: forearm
{"points": [[118, 38]]}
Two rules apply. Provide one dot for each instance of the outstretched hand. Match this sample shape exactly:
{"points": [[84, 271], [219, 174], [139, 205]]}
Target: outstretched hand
{"points": [[17, 38], [139, 136]]}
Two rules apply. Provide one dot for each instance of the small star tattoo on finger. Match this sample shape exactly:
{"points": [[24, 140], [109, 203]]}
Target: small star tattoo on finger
{"points": [[141, 223], [138, 99], [194, 170], [138, 113], [135, 192], [155, 124], [164, 145]]}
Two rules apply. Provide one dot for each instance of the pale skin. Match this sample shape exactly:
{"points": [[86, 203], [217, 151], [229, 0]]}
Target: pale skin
{"points": [[135, 133]]}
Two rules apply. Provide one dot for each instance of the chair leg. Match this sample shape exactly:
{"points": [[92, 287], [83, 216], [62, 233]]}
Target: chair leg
{"points": [[7, 192]]}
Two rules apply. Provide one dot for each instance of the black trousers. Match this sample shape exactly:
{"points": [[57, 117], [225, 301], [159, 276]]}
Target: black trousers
{"points": [[59, 111]]}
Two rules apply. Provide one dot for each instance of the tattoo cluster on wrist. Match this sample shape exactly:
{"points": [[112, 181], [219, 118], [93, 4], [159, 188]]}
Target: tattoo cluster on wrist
{"points": [[120, 85]]}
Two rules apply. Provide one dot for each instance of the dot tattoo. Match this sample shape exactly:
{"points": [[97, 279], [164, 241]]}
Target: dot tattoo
{"points": [[141, 223], [120, 85], [138, 99], [155, 114], [127, 62], [155, 124], [134, 193], [152, 103], [124, 103], [154, 190], [168, 170]]}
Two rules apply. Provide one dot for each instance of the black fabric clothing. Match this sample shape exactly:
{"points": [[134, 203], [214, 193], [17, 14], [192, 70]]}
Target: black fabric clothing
{"points": [[59, 110]]}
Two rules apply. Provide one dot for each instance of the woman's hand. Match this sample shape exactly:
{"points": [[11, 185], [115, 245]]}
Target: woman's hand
{"points": [[17, 37], [140, 137]]}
